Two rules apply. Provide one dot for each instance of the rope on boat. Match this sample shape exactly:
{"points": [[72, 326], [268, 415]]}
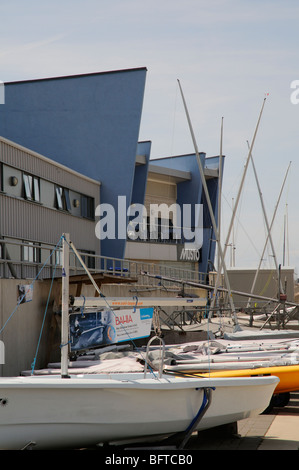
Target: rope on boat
{"points": [[156, 323], [184, 436], [43, 323], [207, 398]]}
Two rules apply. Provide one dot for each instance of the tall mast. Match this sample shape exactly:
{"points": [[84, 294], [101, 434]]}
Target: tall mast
{"points": [[239, 195], [233, 241], [266, 220], [270, 228], [204, 184], [65, 306], [286, 238], [220, 190], [243, 178]]}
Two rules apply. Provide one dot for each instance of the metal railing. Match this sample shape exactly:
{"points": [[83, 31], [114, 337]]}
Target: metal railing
{"points": [[32, 259]]}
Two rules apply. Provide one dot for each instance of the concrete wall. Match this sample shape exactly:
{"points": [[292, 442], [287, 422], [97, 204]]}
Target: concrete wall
{"points": [[21, 333], [266, 284]]}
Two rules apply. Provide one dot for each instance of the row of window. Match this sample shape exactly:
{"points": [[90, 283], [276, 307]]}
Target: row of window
{"points": [[62, 197], [159, 230], [31, 191], [31, 253]]}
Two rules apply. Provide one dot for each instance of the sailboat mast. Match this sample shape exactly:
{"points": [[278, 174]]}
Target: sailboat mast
{"points": [[286, 238], [270, 228], [243, 179], [220, 192], [206, 192], [65, 306], [266, 219]]}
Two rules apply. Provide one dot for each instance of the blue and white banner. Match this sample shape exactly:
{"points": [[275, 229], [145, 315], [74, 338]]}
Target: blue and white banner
{"points": [[25, 293], [99, 328]]}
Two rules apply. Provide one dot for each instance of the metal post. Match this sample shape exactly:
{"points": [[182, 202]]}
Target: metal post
{"points": [[206, 192], [270, 228], [65, 307]]}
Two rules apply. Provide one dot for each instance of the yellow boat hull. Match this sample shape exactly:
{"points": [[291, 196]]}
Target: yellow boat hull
{"points": [[288, 376]]}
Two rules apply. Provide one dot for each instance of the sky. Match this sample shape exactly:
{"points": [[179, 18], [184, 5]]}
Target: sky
{"points": [[231, 58]]}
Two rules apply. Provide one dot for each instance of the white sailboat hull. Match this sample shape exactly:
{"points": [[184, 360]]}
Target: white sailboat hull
{"points": [[54, 412]]}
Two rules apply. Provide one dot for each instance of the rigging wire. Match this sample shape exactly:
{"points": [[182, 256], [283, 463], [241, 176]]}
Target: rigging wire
{"points": [[243, 228], [44, 318], [107, 303], [174, 120], [32, 283]]}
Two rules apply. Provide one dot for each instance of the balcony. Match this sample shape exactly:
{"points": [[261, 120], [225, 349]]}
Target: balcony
{"points": [[21, 259]]}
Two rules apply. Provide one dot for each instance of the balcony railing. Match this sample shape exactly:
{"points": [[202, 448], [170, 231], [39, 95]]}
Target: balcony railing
{"points": [[35, 260]]}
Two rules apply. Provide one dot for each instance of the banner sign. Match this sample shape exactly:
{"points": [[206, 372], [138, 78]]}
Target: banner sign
{"points": [[99, 328], [25, 293]]}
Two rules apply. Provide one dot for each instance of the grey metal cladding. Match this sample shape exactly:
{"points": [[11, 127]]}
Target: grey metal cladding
{"points": [[31, 162], [36, 221]]}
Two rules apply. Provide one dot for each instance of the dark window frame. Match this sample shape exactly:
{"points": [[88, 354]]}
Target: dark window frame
{"points": [[87, 207], [31, 187], [31, 252], [62, 199]]}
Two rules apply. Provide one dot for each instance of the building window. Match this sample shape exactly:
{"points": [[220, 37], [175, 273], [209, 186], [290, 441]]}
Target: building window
{"points": [[58, 257], [62, 199], [87, 207], [1, 176], [160, 230], [31, 188], [31, 252], [88, 260]]}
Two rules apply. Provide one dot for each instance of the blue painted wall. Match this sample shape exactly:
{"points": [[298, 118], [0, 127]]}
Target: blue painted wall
{"points": [[191, 192], [89, 123], [141, 172]]}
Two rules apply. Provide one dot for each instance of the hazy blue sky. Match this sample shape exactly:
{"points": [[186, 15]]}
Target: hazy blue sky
{"points": [[226, 53]]}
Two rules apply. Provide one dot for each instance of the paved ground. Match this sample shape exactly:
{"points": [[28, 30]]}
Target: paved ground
{"points": [[278, 430]]}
